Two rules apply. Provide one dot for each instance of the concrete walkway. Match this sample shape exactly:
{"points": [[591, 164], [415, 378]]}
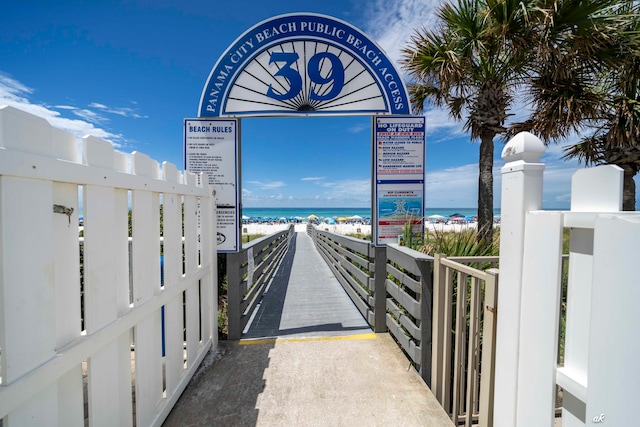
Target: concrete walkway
{"points": [[307, 359]]}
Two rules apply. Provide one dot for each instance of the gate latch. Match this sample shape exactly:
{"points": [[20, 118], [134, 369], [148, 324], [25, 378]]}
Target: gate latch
{"points": [[63, 210]]}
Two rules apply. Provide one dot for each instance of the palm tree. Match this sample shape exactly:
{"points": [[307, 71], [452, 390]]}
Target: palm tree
{"points": [[471, 64], [585, 77], [617, 139]]}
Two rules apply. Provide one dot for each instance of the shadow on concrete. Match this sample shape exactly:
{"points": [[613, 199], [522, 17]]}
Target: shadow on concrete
{"points": [[225, 388], [266, 322]]}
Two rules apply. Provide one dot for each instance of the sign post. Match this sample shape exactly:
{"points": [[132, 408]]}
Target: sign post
{"points": [[212, 145], [398, 169]]}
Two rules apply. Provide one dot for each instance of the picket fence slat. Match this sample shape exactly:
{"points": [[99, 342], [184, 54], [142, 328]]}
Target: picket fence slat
{"points": [[173, 315], [67, 258], [191, 265], [28, 301], [541, 290], [145, 228]]}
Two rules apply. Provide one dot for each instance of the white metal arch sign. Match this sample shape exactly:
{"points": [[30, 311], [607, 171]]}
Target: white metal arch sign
{"points": [[303, 64]]}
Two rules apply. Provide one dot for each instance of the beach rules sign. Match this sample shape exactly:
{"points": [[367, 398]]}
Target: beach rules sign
{"points": [[212, 146], [399, 170]]}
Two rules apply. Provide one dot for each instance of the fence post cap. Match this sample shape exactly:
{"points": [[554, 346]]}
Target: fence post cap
{"points": [[524, 146]]}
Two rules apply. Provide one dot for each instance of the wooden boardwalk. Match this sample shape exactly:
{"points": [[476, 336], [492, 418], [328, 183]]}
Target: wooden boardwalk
{"points": [[305, 299], [308, 358]]}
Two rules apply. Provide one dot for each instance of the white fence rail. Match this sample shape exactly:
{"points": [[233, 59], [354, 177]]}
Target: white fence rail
{"points": [[600, 373], [140, 344]]}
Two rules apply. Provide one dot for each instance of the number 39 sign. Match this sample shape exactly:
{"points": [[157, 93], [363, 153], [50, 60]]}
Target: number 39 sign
{"points": [[334, 77], [303, 64]]}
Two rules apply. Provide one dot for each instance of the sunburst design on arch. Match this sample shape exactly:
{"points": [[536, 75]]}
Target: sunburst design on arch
{"points": [[248, 94]]}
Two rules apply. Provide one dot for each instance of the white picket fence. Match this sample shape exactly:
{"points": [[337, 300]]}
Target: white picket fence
{"points": [[114, 371], [600, 375]]}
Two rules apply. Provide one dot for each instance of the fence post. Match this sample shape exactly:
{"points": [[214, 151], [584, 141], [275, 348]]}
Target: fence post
{"points": [[437, 328], [597, 189], [539, 317], [521, 192], [233, 296], [426, 321], [614, 342], [380, 291], [487, 376]]}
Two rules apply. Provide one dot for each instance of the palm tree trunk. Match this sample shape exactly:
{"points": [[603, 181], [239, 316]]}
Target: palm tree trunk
{"points": [[629, 188], [485, 189]]}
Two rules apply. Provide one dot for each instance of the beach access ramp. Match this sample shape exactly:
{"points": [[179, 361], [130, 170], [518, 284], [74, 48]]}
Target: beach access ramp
{"points": [[307, 358]]}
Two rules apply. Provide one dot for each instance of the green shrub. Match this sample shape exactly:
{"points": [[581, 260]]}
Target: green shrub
{"points": [[460, 243]]}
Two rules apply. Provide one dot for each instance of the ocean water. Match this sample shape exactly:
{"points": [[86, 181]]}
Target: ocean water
{"points": [[346, 212]]}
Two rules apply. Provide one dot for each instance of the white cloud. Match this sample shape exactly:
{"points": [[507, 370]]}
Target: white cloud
{"points": [[313, 178], [452, 187], [120, 111], [358, 128], [318, 193], [392, 23], [267, 185], [350, 189], [16, 94], [88, 115], [439, 119]]}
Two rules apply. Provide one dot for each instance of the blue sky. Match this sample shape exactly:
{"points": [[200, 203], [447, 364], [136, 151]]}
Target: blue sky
{"points": [[130, 72]]}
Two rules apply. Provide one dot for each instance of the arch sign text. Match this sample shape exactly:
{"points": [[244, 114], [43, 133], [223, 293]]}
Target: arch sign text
{"points": [[303, 64]]}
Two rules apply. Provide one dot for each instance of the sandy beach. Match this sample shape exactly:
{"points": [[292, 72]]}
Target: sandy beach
{"points": [[347, 229]]}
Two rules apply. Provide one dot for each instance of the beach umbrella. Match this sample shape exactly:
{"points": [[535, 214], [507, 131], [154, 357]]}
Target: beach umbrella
{"points": [[356, 217], [312, 216], [436, 216], [245, 217]]}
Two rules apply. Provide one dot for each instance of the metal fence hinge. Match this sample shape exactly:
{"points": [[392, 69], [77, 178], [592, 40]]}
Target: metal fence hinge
{"points": [[63, 210]]}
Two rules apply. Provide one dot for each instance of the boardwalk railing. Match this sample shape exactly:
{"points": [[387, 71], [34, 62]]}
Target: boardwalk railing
{"points": [[45, 356], [253, 266], [408, 304], [464, 325], [353, 262], [461, 377]]}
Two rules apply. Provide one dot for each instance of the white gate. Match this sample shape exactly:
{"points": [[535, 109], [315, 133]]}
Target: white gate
{"points": [[142, 340], [600, 373]]}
